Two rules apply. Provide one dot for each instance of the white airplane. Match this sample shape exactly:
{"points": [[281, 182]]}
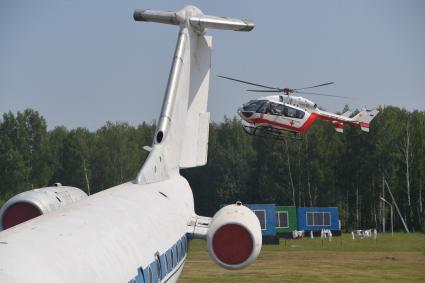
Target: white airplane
{"points": [[139, 231]]}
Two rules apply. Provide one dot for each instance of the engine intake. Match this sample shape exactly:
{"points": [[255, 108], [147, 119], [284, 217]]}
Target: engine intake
{"points": [[234, 237], [30, 204]]}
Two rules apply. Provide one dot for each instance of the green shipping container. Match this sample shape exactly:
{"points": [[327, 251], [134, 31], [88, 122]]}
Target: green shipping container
{"points": [[286, 219]]}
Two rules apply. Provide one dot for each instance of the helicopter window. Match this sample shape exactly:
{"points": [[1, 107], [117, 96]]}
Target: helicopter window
{"points": [[292, 112], [300, 114], [265, 107], [276, 109], [253, 105]]}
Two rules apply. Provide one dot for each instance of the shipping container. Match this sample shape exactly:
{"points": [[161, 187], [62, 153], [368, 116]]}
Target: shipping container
{"points": [[286, 220], [267, 217], [318, 218]]}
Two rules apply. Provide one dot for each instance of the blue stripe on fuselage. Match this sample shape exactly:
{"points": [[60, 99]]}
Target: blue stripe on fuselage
{"points": [[149, 274]]}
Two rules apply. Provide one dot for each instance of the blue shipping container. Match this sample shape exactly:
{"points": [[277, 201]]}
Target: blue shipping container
{"points": [[266, 215], [318, 218]]}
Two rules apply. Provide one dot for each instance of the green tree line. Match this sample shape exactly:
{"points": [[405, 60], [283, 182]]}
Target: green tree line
{"points": [[324, 168]]}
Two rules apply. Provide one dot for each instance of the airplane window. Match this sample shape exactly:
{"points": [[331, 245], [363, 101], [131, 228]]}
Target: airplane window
{"points": [[158, 265], [150, 275], [177, 253], [166, 263], [172, 259]]}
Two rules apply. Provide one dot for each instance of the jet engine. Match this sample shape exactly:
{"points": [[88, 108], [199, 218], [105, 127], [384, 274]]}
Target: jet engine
{"points": [[33, 203], [234, 237]]}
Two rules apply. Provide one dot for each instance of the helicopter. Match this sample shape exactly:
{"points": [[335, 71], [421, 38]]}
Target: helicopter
{"points": [[289, 116]]}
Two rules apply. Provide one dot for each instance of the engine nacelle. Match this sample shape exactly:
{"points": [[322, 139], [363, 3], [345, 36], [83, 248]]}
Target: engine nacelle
{"points": [[302, 102], [234, 237], [30, 204]]}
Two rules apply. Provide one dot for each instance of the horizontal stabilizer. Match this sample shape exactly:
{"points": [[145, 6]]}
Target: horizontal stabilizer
{"points": [[197, 20], [339, 127], [163, 17], [205, 21], [347, 114]]}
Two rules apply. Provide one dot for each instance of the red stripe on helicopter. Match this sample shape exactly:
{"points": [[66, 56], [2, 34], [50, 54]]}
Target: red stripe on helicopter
{"points": [[332, 119], [307, 124], [364, 125], [338, 125]]}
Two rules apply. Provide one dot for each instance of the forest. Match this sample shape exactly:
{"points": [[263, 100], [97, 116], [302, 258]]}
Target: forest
{"points": [[350, 171]]}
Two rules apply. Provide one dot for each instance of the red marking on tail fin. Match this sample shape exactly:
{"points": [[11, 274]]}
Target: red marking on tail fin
{"points": [[364, 126]]}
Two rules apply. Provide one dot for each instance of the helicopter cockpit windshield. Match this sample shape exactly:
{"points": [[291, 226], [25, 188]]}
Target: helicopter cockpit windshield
{"points": [[253, 105]]}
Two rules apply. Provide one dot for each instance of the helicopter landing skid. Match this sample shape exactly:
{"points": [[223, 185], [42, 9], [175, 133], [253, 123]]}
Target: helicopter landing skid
{"points": [[270, 132]]}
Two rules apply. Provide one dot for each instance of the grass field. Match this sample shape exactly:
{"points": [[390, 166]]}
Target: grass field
{"points": [[387, 259]]}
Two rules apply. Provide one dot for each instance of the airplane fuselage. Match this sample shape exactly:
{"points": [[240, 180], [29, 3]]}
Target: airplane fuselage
{"points": [[119, 231]]}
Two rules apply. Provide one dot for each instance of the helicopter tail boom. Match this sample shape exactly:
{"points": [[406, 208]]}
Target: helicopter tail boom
{"points": [[362, 119]]}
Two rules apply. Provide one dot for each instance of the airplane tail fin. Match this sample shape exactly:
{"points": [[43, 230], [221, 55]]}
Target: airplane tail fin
{"points": [[181, 136], [364, 118]]}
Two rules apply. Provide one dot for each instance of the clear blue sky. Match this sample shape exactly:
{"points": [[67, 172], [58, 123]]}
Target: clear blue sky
{"points": [[82, 63]]}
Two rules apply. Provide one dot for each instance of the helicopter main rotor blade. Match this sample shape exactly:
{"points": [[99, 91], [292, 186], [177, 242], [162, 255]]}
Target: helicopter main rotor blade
{"points": [[329, 83], [245, 82], [321, 94], [265, 90]]}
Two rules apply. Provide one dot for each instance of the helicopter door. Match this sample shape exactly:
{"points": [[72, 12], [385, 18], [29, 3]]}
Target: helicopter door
{"points": [[271, 108], [276, 111]]}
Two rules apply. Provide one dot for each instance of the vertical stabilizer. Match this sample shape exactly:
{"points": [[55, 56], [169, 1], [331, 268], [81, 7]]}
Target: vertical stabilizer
{"points": [[195, 143], [181, 136], [364, 118]]}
